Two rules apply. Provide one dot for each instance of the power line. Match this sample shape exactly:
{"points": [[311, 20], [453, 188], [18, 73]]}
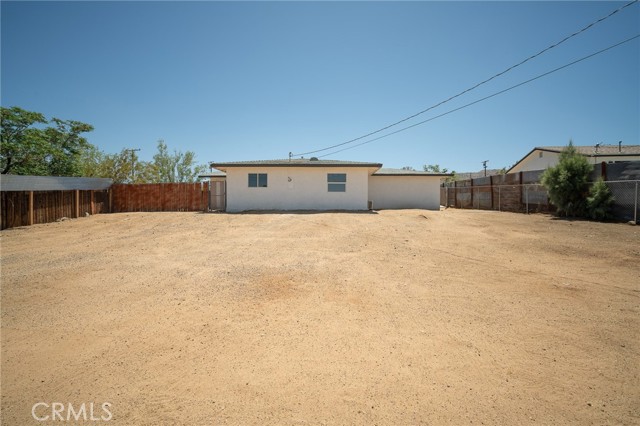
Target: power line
{"points": [[486, 97], [476, 85]]}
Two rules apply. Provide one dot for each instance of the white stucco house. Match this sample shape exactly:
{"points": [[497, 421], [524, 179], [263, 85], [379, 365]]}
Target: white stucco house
{"points": [[541, 157], [312, 184]]}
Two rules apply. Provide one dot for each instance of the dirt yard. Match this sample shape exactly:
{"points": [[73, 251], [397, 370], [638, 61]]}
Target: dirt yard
{"points": [[394, 318]]}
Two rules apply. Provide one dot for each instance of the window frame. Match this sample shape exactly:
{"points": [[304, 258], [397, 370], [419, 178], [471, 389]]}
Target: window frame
{"points": [[336, 182], [260, 180]]}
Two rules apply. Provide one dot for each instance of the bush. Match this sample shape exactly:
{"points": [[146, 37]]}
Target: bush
{"points": [[599, 201], [567, 182]]}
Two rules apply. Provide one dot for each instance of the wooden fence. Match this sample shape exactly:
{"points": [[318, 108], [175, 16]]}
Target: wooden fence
{"points": [[517, 192], [47, 199], [161, 197], [22, 208]]}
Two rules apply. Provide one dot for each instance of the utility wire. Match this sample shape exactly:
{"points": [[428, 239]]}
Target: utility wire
{"points": [[487, 97], [475, 86]]}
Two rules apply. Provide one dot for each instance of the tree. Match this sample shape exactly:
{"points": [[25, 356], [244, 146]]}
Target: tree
{"points": [[27, 149], [176, 167], [567, 182], [126, 167], [408, 168], [599, 201], [123, 167], [435, 168], [20, 144], [66, 147]]}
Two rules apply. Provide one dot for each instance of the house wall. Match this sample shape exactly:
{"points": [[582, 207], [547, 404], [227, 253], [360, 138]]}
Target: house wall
{"points": [[405, 192], [535, 162], [296, 188], [550, 159]]}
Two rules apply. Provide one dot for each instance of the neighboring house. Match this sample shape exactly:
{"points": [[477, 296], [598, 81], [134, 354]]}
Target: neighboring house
{"points": [[312, 184], [539, 158]]}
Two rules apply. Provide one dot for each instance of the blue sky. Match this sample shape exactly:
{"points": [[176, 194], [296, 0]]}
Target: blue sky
{"points": [[256, 80]]}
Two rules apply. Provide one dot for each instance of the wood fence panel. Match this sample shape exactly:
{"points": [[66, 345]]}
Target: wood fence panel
{"points": [[49, 206], [166, 197]]}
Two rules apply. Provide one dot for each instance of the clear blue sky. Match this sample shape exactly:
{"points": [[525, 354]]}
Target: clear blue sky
{"points": [[255, 80]]}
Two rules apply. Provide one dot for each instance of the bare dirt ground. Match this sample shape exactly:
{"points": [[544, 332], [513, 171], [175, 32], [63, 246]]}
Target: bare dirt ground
{"points": [[395, 318]]}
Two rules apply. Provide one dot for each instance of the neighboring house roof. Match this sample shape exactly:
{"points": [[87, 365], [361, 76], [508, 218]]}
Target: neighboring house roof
{"points": [[588, 151], [402, 172], [297, 162]]}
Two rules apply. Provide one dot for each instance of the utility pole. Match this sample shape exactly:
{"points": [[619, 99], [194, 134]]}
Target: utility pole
{"points": [[132, 150], [484, 164]]}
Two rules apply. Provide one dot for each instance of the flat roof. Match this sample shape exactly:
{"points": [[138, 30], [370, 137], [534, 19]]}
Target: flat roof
{"points": [[294, 162], [402, 172]]}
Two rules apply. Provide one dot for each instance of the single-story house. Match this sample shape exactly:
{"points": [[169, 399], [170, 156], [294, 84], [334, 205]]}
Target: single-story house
{"points": [[312, 184], [541, 157]]}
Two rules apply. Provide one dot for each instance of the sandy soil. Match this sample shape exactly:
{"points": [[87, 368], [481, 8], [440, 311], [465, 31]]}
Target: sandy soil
{"points": [[395, 318]]}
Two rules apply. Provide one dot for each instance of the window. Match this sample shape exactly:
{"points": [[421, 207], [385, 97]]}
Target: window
{"points": [[337, 182], [540, 154], [257, 180]]}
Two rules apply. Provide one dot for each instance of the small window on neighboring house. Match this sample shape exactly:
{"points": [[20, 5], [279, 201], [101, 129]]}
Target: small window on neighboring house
{"points": [[337, 182], [257, 180], [540, 154]]}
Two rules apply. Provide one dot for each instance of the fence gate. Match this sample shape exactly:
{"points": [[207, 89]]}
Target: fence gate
{"points": [[218, 195]]}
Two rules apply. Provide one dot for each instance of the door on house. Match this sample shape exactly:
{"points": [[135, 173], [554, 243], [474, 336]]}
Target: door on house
{"points": [[218, 195]]}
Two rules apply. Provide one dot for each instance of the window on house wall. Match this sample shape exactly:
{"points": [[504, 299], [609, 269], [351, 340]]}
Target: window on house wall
{"points": [[337, 182], [257, 180], [540, 154]]}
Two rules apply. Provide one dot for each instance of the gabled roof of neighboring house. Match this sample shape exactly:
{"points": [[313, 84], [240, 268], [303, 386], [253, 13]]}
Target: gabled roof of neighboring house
{"points": [[589, 151], [294, 162], [402, 172]]}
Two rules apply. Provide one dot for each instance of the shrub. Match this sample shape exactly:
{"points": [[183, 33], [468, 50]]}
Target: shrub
{"points": [[599, 201], [567, 182]]}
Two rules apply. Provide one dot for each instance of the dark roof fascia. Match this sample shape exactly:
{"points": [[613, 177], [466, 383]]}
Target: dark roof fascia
{"points": [[414, 174], [222, 166], [617, 154]]}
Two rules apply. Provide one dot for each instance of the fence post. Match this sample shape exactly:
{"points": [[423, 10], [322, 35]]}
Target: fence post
{"points": [[30, 208], [471, 183], [491, 188], [77, 203], [635, 210], [499, 204], [526, 192]]}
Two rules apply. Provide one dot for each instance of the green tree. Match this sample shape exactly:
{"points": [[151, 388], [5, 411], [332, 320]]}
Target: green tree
{"points": [[599, 201], [123, 167], [66, 147], [176, 167], [435, 168], [126, 167], [21, 145], [567, 182], [29, 149]]}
